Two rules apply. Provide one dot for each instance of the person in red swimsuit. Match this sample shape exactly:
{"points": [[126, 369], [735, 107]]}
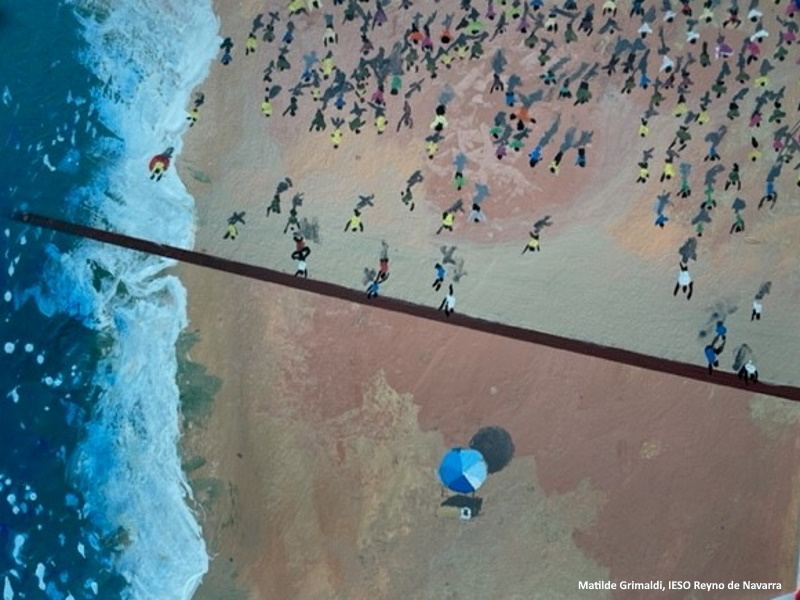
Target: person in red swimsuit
{"points": [[159, 164]]}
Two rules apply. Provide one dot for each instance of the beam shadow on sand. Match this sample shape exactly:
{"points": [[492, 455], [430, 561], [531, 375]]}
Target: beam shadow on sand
{"points": [[619, 355]]}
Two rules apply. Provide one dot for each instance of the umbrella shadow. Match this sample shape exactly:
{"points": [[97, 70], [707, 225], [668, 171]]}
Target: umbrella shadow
{"points": [[496, 446]]}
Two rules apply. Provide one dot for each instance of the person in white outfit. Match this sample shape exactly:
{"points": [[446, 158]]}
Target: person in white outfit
{"points": [[748, 372], [756, 314], [685, 283], [449, 302]]}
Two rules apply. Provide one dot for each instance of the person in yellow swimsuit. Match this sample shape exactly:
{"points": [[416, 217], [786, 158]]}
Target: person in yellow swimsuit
{"points": [[354, 223], [533, 244], [644, 130], [296, 6], [251, 44], [448, 218], [644, 173], [266, 107], [431, 147], [668, 172], [380, 122], [755, 153], [326, 65], [681, 108]]}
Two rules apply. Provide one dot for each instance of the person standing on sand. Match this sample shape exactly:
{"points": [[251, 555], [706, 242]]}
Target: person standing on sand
{"points": [[354, 223], [449, 302], [250, 44], [439, 275], [685, 283]]}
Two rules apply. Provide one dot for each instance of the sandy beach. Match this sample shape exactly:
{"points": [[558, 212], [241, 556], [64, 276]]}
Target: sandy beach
{"points": [[321, 447], [325, 435]]}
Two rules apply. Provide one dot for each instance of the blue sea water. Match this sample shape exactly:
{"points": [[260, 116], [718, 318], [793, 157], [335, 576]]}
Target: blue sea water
{"points": [[93, 502]]}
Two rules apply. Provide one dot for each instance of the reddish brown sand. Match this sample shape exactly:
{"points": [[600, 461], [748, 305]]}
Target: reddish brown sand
{"points": [[619, 474]]}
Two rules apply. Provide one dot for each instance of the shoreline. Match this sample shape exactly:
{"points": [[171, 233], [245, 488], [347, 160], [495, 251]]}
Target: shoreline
{"points": [[310, 388]]}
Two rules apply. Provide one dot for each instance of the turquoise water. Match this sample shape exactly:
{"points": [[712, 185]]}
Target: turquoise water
{"points": [[93, 503]]}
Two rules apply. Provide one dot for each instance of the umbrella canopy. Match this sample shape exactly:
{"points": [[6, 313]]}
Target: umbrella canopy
{"points": [[463, 470]]}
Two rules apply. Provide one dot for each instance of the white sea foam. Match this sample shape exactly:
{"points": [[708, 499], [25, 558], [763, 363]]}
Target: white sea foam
{"points": [[153, 52]]}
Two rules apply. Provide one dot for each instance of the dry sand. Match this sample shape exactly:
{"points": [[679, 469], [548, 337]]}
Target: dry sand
{"points": [[341, 413]]}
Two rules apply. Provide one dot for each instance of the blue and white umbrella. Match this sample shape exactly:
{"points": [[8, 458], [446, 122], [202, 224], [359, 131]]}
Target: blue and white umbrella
{"points": [[463, 470]]}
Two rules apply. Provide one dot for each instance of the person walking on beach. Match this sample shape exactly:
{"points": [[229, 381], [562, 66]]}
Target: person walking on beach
{"points": [[712, 352], [748, 372], [439, 275], [533, 244], [644, 172], [302, 268], [734, 178], [374, 288], [668, 172], [720, 332], [449, 302], [230, 232], [685, 283], [770, 195], [738, 223], [275, 205], [383, 263], [292, 222], [300, 255], [354, 223], [250, 44], [755, 315], [476, 215], [448, 218], [192, 116], [299, 243]]}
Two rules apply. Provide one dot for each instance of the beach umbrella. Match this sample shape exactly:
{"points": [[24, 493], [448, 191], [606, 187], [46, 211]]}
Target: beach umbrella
{"points": [[463, 470]]}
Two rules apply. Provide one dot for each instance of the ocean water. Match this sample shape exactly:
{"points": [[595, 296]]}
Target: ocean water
{"points": [[93, 502]]}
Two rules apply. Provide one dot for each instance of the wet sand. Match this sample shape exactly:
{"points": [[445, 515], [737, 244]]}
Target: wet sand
{"points": [[341, 413]]}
